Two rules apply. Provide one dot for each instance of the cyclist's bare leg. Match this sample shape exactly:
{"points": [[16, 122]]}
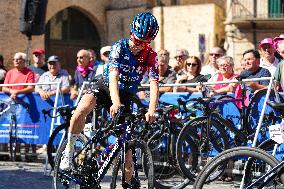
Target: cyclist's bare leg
{"points": [[85, 106], [77, 123], [129, 167]]}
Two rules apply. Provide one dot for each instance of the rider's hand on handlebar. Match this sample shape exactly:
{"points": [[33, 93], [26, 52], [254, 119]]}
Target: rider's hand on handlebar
{"points": [[150, 116], [114, 109]]}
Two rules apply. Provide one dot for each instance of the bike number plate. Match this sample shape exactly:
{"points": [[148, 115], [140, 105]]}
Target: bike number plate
{"points": [[276, 132]]}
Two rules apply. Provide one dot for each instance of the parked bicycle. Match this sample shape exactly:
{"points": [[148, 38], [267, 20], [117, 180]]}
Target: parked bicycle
{"points": [[10, 107], [162, 143], [262, 170]]}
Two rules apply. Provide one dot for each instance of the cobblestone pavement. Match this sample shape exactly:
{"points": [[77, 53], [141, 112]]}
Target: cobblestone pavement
{"points": [[22, 175]]}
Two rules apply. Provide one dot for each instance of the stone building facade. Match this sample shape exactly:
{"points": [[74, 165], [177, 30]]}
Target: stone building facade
{"points": [[75, 24]]}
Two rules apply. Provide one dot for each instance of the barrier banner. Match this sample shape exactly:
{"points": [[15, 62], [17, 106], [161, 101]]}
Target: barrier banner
{"points": [[32, 127]]}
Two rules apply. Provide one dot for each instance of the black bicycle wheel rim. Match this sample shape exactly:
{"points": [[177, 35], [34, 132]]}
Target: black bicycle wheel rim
{"points": [[189, 136], [255, 101], [229, 155], [50, 145], [57, 184]]}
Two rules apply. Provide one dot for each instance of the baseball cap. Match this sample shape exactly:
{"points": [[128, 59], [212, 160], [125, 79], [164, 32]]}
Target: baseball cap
{"points": [[280, 37], [105, 49], [277, 39], [38, 51], [266, 41], [53, 58]]}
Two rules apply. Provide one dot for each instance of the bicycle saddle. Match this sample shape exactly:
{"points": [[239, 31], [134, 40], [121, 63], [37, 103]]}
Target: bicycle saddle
{"points": [[279, 107]]}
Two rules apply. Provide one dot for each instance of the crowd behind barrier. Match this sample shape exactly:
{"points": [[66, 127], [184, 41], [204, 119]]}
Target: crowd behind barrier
{"points": [[33, 128]]}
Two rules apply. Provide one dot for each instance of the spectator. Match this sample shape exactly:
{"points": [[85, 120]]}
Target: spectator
{"points": [[97, 65], [3, 71], [105, 53], [252, 64], [55, 74], [226, 73], [181, 56], [84, 72], [38, 66], [243, 65], [192, 75], [20, 74], [268, 60], [279, 45], [166, 74], [212, 67]]}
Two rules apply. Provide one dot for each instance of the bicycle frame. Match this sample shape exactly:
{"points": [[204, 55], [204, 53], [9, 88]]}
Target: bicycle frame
{"points": [[120, 144], [267, 177]]}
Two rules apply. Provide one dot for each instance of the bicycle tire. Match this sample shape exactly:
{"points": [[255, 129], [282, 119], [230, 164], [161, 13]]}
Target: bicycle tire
{"points": [[166, 170], [58, 179], [50, 145], [223, 97], [251, 109], [13, 139], [189, 138], [146, 167], [263, 159]]}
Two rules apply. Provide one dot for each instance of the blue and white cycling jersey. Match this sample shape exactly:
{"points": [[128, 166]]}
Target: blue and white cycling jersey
{"points": [[131, 68]]}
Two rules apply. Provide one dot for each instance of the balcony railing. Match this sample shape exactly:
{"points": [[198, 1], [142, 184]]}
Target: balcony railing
{"points": [[257, 9]]}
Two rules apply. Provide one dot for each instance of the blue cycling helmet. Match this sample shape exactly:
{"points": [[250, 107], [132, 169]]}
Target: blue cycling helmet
{"points": [[145, 26]]}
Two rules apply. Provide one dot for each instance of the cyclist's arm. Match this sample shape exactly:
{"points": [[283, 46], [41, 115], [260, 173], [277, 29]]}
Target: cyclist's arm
{"points": [[114, 92], [154, 95], [113, 86]]}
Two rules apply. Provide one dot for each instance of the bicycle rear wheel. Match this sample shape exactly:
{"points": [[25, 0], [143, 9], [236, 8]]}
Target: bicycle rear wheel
{"points": [[69, 179], [262, 161], [53, 142], [13, 138], [143, 168], [192, 152]]}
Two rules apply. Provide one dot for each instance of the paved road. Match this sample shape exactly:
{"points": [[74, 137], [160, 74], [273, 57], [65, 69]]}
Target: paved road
{"points": [[22, 175]]}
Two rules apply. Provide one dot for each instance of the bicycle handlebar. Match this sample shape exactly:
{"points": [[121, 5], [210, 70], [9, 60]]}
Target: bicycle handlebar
{"points": [[11, 103], [210, 103], [62, 110]]}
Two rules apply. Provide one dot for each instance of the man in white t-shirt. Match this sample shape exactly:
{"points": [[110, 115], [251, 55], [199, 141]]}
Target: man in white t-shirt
{"points": [[268, 60], [212, 67]]}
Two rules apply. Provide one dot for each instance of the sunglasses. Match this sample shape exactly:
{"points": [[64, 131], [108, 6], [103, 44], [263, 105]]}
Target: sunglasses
{"points": [[52, 63], [215, 54], [138, 42], [191, 64], [106, 53], [37, 54], [180, 57]]}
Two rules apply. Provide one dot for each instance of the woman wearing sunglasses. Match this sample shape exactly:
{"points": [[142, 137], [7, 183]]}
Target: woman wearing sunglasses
{"points": [[192, 75], [128, 60]]}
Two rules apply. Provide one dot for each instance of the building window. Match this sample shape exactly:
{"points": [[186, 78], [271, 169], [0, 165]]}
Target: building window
{"points": [[275, 8]]}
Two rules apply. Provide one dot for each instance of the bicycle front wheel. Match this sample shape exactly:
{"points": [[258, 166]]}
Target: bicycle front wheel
{"points": [[143, 176], [57, 136], [238, 157], [70, 179]]}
